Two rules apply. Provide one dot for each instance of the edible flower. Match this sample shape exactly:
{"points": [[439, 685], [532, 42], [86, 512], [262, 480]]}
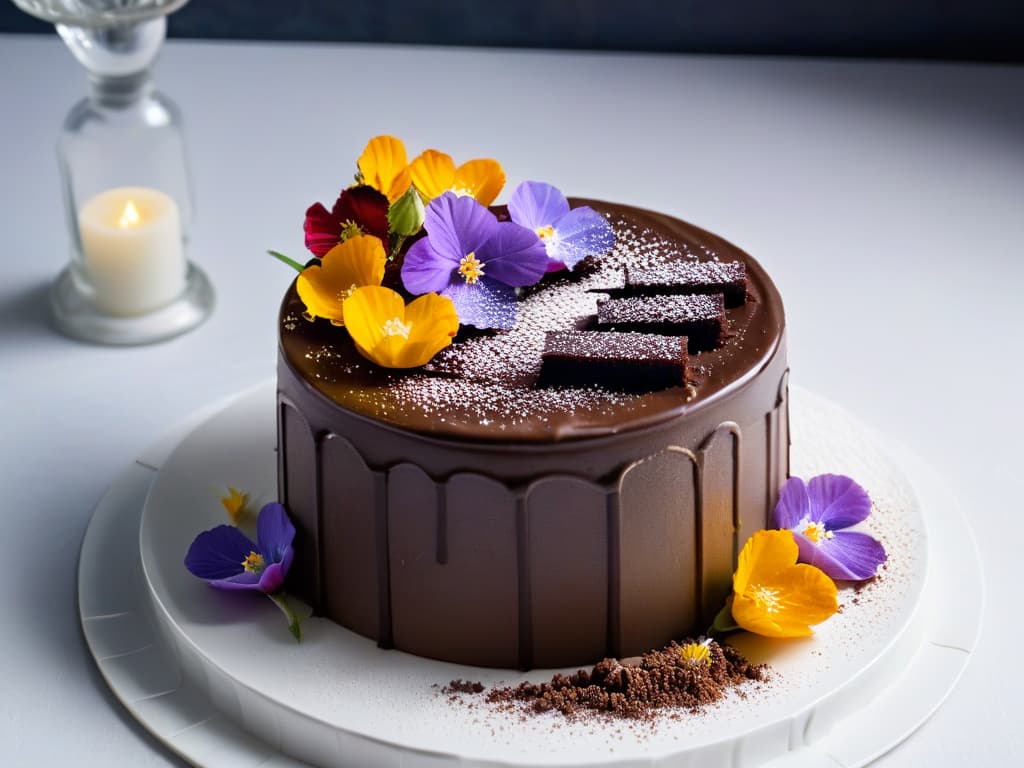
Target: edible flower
{"points": [[325, 287], [236, 504], [227, 559], [359, 210], [394, 335], [775, 597], [818, 513], [696, 653], [385, 167], [434, 173], [405, 217], [568, 235], [475, 260]]}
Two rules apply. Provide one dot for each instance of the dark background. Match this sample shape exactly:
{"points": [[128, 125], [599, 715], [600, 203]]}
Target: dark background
{"points": [[984, 30]]}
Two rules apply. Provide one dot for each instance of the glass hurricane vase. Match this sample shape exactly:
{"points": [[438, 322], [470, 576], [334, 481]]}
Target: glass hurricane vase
{"points": [[124, 173]]}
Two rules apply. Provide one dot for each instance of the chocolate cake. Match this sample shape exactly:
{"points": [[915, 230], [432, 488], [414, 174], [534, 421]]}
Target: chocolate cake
{"points": [[505, 507]]}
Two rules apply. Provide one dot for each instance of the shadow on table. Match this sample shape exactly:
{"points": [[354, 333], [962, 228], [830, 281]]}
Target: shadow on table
{"points": [[25, 316]]}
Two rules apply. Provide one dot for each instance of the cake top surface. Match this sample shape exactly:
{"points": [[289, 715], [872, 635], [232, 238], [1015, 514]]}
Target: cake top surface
{"points": [[484, 386]]}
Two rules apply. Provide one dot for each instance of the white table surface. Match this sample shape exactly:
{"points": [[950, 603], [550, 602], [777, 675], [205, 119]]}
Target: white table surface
{"points": [[886, 199]]}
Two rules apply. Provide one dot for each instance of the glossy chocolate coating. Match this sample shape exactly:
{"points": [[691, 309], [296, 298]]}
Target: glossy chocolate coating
{"points": [[506, 530]]}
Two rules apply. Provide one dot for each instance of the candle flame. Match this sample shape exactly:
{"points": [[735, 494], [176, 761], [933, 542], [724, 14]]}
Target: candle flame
{"points": [[129, 216]]}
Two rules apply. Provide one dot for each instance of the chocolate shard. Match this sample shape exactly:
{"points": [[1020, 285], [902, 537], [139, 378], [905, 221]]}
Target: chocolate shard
{"points": [[690, 277], [684, 276], [701, 318], [622, 361]]}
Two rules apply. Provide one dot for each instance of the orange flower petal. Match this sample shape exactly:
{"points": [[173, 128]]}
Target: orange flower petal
{"points": [[395, 336], [765, 554], [432, 173], [366, 312], [433, 322], [385, 166], [325, 287], [483, 179], [775, 597]]}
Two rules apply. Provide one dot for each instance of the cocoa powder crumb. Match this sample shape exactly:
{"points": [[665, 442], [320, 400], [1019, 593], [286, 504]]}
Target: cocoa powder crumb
{"points": [[463, 686], [636, 688]]}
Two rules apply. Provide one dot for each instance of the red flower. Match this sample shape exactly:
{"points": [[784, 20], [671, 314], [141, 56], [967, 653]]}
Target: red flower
{"points": [[360, 210]]}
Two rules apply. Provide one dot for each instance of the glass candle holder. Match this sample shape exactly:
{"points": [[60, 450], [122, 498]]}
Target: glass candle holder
{"points": [[124, 173]]}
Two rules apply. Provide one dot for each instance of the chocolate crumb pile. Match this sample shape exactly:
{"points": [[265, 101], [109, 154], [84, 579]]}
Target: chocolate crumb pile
{"points": [[637, 687]]}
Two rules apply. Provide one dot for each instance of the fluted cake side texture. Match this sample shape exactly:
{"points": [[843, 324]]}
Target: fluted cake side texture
{"points": [[466, 513]]}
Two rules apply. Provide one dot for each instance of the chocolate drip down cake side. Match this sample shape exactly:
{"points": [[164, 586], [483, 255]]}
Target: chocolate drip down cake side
{"points": [[575, 488]]}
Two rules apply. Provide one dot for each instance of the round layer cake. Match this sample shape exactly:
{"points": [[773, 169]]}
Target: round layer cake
{"points": [[473, 512]]}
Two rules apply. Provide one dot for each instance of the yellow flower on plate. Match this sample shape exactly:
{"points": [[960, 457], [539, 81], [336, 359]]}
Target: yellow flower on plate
{"points": [[434, 173], [394, 335], [775, 597], [696, 653], [236, 504], [325, 287], [384, 165]]}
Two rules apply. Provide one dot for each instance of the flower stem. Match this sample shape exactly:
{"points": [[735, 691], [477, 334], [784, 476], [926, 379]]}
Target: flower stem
{"points": [[399, 242], [281, 601], [290, 262]]}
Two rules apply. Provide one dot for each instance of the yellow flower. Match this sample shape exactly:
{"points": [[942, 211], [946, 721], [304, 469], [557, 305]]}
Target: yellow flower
{"points": [[434, 173], [696, 653], [324, 287], [775, 597], [385, 166], [394, 335], [236, 504]]}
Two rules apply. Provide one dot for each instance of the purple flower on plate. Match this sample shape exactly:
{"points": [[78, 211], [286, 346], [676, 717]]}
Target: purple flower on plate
{"points": [[473, 259], [227, 559], [569, 235], [818, 513]]}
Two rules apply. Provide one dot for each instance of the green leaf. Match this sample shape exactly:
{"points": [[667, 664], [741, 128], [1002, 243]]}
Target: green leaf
{"points": [[724, 622], [290, 262]]}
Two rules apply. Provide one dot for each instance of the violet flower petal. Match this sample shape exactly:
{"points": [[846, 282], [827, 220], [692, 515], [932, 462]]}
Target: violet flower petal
{"points": [[274, 532], [457, 226], [535, 204], [837, 501], [272, 578], [580, 233], [485, 304], [424, 270], [793, 506], [246, 580], [514, 255], [848, 555], [218, 553]]}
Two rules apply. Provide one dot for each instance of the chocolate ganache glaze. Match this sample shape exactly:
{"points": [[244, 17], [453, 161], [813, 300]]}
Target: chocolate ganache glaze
{"points": [[464, 512]]}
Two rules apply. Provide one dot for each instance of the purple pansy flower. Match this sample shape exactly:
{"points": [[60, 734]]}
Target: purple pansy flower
{"points": [[473, 259], [569, 235], [817, 513], [227, 559]]}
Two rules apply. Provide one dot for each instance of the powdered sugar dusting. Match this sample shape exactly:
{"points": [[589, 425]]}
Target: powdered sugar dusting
{"points": [[514, 358], [490, 376]]}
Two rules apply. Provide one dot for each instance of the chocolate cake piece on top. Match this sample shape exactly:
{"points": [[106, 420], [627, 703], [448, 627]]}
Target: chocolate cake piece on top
{"points": [[688, 277], [701, 318], [622, 361]]}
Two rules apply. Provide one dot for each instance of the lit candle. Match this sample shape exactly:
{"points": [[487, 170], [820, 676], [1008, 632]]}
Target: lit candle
{"points": [[132, 249]]}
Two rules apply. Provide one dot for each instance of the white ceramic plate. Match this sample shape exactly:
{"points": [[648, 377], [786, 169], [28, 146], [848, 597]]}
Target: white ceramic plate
{"points": [[204, 670]]}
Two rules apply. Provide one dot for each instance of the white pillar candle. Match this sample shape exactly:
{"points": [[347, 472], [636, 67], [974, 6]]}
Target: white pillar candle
{"points": [[132, 249]]}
